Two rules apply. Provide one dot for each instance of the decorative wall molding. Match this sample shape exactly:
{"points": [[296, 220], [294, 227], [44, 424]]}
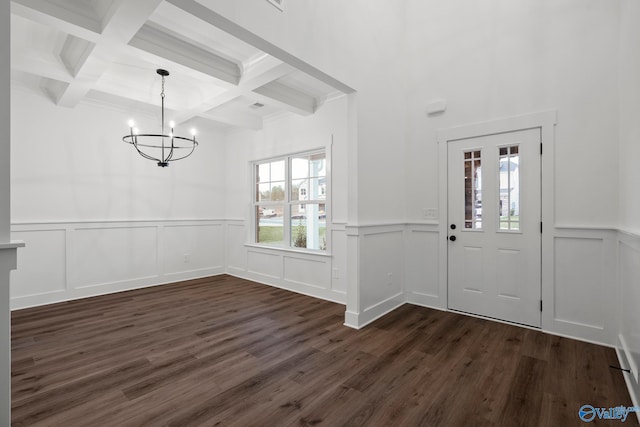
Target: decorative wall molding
{"points": [[628, 337], [422, 261], [580, 274], [584, 266], [377, 271], [69, 260], [395, 264], [320, 275]]}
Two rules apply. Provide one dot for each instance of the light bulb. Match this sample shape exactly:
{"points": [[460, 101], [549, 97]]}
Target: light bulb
{"points": [[135, 131], [131, 123], [172, 124], [193, 131]]}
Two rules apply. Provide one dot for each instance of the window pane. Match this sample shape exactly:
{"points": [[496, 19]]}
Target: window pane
{"points": [[269, 224], [262, 171], [277, 191], [472, 190], [277, 170], [264, 192], [509, 188], [299, 167], [317, 166], [299, 189], [308, 226], [317, 189]]}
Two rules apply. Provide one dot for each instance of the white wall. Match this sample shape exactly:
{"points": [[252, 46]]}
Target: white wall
{"points": [[5, 109], [317, 275], [629, 241], [71, 165], [499, 58], [96, 217], [629, 85]]}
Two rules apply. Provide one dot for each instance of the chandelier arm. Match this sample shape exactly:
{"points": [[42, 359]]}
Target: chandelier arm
{"points": [[157, 135], [170, 156], [135, 145], [193, 147], [145, 155]]}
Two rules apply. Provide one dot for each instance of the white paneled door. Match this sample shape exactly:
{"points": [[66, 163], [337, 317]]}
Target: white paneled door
{"points": [[494, 228]]}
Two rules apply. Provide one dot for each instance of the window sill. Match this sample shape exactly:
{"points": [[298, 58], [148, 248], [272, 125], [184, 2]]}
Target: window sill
{"points": [[290, 250]]}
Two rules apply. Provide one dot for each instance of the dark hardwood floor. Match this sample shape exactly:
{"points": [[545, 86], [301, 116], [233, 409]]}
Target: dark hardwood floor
{"points": [[225, 351]]}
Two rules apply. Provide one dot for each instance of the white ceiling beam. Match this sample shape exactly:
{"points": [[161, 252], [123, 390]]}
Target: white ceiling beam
{"points": [[53, 15], [87, 61], [160, 42], [258, 73], [74, 53], [48, 66], [276, 93], [207, 15]]}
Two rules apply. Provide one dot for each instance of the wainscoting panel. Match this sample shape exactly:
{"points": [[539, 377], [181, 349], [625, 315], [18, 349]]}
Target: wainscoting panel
{"points": [[378, 280], [308, 273], [47, 247], [585, 285], [236, 251], [105, 255], [339, 263], [193, 247], [381, 266], [65, 261], [629, 306], [264, 264], [422, 283]]}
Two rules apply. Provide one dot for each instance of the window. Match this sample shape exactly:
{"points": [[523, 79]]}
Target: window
{"points": [[509, 188], [473, 189], [290, 201]]}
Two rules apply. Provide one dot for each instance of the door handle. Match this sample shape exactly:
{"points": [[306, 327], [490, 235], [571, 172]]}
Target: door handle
{"points": [[452, 238]]}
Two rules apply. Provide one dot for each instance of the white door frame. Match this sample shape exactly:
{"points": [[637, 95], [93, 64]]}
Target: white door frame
{"points": [[546, 122]]}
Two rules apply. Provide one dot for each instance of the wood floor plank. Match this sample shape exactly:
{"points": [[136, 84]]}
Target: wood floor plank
{"points": [[230, 352]]}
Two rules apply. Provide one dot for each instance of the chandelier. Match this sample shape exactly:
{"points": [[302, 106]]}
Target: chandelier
{"points": [[161, 148]]}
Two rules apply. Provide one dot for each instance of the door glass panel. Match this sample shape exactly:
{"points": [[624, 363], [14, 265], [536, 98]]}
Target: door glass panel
{"points": [[509, 188], [472, 190]]}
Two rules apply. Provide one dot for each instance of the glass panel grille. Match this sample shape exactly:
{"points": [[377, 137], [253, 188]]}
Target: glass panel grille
{"points": [[509, 213], [473, 190]]}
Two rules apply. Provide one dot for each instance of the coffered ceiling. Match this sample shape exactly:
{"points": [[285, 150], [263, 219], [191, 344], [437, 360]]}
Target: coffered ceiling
{"points": [[107, 51]]}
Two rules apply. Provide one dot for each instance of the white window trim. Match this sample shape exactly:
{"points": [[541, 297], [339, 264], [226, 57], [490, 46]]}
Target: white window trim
{"points": [[288, 203]]}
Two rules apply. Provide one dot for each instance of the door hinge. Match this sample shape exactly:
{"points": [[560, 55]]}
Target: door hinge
{"points": [[541, 148], [540, 305], [540, 227]]}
